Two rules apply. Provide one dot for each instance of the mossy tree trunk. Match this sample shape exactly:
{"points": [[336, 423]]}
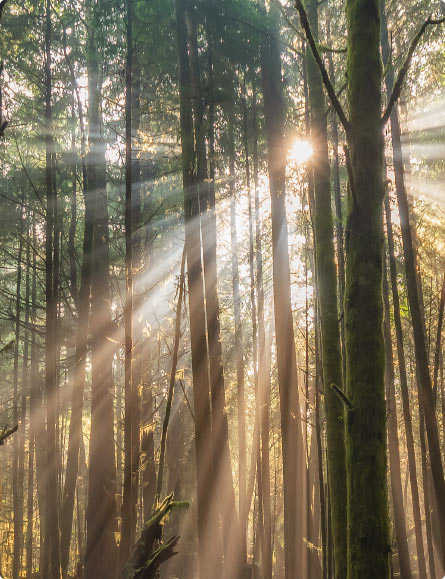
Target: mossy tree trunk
{"points": [[329, 318], [368, 550]]}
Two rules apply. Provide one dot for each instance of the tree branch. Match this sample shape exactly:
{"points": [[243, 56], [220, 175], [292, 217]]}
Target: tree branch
{"points": [[405, 67], [6, 433], [324, 73]]}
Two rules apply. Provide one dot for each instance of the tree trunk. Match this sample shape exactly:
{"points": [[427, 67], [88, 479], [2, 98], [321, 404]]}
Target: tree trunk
{"points": [[329, 318], [264, 381], [100, 558], [52, 540], [368, 533], [393, 443], [292, 441], [424, 378], [405, 399], [129, 500], [17, 493], [78, 374], [438, 346], [209, 560], [172, 383]]}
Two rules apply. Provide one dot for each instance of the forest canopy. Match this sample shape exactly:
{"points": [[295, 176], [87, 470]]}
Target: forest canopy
{"points": [[222, 289]]}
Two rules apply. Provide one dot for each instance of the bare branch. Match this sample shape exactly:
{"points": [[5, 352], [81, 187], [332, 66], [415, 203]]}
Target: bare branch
{"points": [[324, 73], [405, 67]]}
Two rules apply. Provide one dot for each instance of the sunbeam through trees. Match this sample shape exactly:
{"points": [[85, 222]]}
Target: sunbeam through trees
{"points": [[222, 289]]}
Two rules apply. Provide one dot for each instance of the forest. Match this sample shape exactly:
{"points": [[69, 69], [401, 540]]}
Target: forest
{"points": [[222, 289]]}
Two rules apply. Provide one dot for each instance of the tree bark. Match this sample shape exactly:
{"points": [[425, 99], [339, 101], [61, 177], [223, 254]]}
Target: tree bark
{"points": [[329, 318], [52, 567], [424, 378], [292, 441], [368, 532], [17, 494], [421, 564], [209, 560], [393, 443], [100, 558]]}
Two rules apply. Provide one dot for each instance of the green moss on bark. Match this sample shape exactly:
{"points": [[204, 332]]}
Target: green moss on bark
{"points": [[366, 424], [327, 284]]}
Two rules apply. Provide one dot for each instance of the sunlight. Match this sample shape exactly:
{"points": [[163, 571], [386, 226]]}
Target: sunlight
{"points": [[300, 152]]}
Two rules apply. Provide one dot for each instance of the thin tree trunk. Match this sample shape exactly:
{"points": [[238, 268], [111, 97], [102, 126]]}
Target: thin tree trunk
{"points": [[239, 353], [129, 500], [17, 494], [393, 443], [426, 496], [78, 374], [207, 523], [31, 444], [222, 471], [264, 383], [52, 540], [405, 399], [171, 387], [424, 378], [438, 346]]}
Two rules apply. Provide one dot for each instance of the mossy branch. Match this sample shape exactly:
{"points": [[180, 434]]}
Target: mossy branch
{"points": [[145, 559], [6, 433], [397, 89], [324, 73], [342, 397]]}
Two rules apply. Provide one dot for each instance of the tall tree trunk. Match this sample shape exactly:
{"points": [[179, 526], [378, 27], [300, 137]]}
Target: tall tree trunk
{"points": [[329, 318], [292, 441], [52, 539], [24, 389], [222, 471], [31, 449], [426, 496], [209, 560], [424, 378], [405, 399], [264, 382], [129, 500], [171, 387], [80, 357], [100, 558], [239, 353], [393, 443], [17, 494], [368, 526], [438, 347]]}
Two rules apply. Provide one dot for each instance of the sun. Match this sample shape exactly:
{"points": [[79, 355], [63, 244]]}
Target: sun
{"points": [[300, 152]]}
